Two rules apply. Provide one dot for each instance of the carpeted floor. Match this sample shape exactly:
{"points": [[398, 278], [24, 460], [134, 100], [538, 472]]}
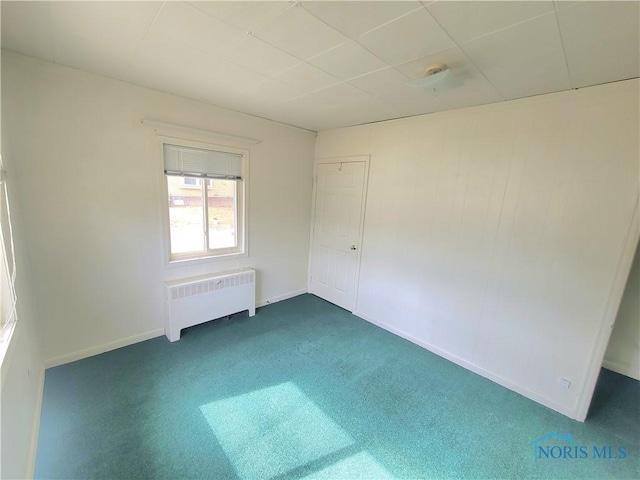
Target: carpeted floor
{"points": [[306, 390]]}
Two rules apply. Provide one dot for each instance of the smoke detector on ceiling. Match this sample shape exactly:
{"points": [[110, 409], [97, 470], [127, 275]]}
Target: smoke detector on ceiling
{"points": [[433, 74]]}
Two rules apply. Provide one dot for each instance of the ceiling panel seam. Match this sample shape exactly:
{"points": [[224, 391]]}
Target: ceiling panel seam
{"points": [[564, 50], [464, 52]]}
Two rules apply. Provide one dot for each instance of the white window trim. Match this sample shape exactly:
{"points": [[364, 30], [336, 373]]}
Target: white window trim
{"points": [[204, 257], [8, 324]]}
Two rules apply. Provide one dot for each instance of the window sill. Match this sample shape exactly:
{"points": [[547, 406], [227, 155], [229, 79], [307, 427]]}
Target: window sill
{"points": [[186, 262]]}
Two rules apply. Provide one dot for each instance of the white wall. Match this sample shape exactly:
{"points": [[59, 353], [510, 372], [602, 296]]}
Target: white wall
{"points": [[21, 370], [623, 352], [90, 176], [493, 234]]}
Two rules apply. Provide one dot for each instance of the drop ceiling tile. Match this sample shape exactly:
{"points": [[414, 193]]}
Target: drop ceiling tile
{"points": [[100, 37], [409, 102], [162, 64], [275, 92], [195, 29], [306, 103], [299, 33], [468, 92], [471, 19], [95, 55], [355, 18], [168, 66], [347, 60], [105, 17], [258, 56], [523, 60], [342, 93], [601, 40], [307, 78], [245, 15], [37, 40], [233, 77], [382, 81], [302, 111], [412, 36]]}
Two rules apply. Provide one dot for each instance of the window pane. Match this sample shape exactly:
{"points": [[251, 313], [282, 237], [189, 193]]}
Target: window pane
{"points": [[222, 213], [185, 216]]}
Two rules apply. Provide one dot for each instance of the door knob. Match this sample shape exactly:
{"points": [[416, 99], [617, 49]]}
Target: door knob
{"points": [[353, 247]]}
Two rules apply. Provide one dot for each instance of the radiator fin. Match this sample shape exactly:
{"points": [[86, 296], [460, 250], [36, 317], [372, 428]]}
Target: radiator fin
{"points": [[207, 286]]}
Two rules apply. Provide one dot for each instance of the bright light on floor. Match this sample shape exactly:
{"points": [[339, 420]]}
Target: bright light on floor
{"points": [[273, 431]]}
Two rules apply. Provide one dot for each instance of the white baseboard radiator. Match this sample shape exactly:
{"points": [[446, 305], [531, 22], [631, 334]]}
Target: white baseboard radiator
{"points": [[194, 300]]}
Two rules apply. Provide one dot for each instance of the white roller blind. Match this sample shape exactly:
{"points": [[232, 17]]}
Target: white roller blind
{"points": [[198, 162]]}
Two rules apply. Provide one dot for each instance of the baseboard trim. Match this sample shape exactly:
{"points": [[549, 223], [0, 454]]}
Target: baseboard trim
{"points": [[279, 298], [621, 368], [572, 413], [91, 351], [105, 347], [35, 429]]}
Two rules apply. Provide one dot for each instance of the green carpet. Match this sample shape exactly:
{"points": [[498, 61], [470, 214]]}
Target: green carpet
{"points": [[306, 390]]}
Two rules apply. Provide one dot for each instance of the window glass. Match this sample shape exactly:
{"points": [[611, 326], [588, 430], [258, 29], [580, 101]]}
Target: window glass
{"points": [[221, 197]]}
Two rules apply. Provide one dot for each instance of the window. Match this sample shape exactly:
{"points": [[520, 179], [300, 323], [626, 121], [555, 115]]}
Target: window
{"points": [[8, 315], [206, 190]]}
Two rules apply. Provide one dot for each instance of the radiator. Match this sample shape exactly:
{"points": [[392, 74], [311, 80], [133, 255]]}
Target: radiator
{"points": [[194, 300]]}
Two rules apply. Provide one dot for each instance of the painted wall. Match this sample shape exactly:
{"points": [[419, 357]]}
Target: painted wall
{"points": [[21, 370], [623, 352], [90, 176], [493, 234]]}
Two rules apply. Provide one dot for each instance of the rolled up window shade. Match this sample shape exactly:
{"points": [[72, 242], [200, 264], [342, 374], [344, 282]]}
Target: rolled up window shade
{"points": [[198, 162]]}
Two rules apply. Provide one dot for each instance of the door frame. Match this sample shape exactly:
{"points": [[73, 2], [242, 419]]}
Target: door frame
{"points": [[328, 160]]}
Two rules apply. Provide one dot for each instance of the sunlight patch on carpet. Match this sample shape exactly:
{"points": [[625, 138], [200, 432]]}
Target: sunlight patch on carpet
{"points": [[272, 431]]}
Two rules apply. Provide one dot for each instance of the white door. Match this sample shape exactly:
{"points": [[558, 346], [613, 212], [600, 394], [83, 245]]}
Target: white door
{"points": [[335, 251]]}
